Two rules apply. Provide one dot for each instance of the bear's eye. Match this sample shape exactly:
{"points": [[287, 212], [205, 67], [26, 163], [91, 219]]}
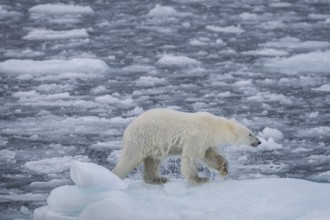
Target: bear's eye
{"points": [[250, 135]]}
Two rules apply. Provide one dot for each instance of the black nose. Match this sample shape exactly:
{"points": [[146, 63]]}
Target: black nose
{"points": [[255, 144]]}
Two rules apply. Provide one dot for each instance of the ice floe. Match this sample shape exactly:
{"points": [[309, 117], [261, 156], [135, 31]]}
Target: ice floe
{"points": [[43, 34], [54, 66], [323, 88], [315, 62], [226, 29], [61, 9], [99, 194], [168, 60], [160, 11]]}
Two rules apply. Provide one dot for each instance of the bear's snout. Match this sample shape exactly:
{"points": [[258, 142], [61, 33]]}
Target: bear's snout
{"points": [[256, 143]]}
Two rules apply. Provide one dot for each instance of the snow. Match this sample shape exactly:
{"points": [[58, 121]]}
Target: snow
{"points": [[53, 66], [302, 63], [43, 34], [227, 29], [168, 60], [61, 9], [99, 194]]}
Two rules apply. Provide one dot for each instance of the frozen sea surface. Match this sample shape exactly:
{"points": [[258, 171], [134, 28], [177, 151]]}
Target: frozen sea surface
{"points": [[74, 75]]}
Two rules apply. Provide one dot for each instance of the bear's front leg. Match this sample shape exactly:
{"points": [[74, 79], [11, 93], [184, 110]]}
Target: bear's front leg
{"points": [[215, 160], [189, 169]]}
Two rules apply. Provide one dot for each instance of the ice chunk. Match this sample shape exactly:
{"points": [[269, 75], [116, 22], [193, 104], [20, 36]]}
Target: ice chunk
{"points": [[318, 62], [323, 88], [43, 34], [228, 29], [323, 176], [268, 145], [280, 4], [49, 184], [271, 132], [69, 200], [270, 97], [61, 9], [266, 52], [7, 14], [7, 155], [315, 132], [160, 11], [26, 197], [248, 16], [53, 165], [295, 43], [55, 66], [168, 60], [149, 81], [90, 175], [111, 100]]}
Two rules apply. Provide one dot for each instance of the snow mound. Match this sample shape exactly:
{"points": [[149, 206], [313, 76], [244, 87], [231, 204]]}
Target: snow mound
{"points": [[43, 34], [56, 9], [54, 66], [168, 60], [318, 62], [258, 199]]}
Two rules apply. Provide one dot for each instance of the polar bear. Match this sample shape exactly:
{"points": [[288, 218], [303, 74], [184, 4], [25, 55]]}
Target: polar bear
{"points": [[158, 133]]}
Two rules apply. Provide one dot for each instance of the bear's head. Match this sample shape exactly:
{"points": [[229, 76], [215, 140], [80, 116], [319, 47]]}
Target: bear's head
{"points": [[242, 135]]}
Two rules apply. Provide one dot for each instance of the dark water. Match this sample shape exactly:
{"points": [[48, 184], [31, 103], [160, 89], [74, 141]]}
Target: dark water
{"points": [[48, 119]]}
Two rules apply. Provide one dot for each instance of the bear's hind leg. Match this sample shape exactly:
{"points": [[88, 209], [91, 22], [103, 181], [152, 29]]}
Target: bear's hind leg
{"points": [[151, 167], [189, 169]]}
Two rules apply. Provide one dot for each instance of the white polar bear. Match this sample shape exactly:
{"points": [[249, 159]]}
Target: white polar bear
{"points": [[196, 136]]}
